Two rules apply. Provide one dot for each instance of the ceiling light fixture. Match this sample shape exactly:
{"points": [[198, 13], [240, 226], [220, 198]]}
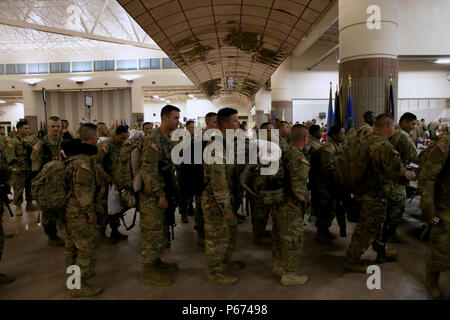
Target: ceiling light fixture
{"points": [[190, 95], [80, 80], [155, 97], [2, 101], [130, 77], [32, 81], [443, 61]]}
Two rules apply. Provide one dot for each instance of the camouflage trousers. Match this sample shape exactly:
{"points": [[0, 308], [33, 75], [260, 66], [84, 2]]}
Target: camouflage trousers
{"points": [[260, 215], [154, 227], [21, 181], [220, 236], [82, 241], [2, 236], [395, 206], [439, 259], [288, 235], [369, 228], [52, 220], [199, 221]]}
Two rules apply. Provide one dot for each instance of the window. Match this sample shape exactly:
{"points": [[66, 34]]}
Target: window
{"points": [[2, 69], [64, 67], [33, 68], [43, 67], [21, 68], [155, 63], [109, 65], [54, 67], [10, 69], [144, 64], [167, 63], [126, 64], [99, 65], [76, 66]]}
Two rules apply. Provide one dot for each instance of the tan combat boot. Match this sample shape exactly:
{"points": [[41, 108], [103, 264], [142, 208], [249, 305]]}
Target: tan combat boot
{"points": [[165, 267], [277, 269], [293, 279], [19, 210], [86, 291], [220, 278], [152, 276], [350, 266], [432, 284], [5, 279]]}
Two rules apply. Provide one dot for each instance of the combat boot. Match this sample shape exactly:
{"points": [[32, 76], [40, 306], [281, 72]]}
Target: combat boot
{"points": [[388, 256], [55, 241], [323, 237], [116, 235], [350, 266], [85, 291], [236, 264], [165, 267], [31, 207], [277, 269], [184, 218], [293, 279], [19, 211], [263, 241], [152, 276], [432, 284], [220, 278], [5, 279]]}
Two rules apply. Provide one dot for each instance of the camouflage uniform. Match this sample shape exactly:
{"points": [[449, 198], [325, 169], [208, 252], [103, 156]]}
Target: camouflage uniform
{"points": [[384, 165], [17, 157], [45, 151], [5, 173], [153, 221], [434, 184], [82, 240], [288, 221], [324, 196], [433, 127], [354, 136], [218, 199], [403, 143], [284, 143], [313, 145]]}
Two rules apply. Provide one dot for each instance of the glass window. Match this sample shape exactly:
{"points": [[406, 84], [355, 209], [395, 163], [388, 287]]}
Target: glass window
{"points": [[109, 65], [99, 65], [43, 67], [167, 63], [144, 64], [21, 68], [132, 64], [76, 66], [1, 69], [54, 67], [121, 64], [10, 69], [64, 67], [33, 68], [87, 66], [155, 63]]}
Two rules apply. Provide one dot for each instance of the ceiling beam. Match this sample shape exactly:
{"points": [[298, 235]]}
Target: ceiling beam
{"points": [[30, 7], [37, 27], [105, 4]]}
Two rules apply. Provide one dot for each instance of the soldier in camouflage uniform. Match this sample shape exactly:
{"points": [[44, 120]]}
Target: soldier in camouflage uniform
{"points": [[155, 197], [288, 220], [325, 194], [284, 135], [434, 185], [402, 142], [18, 152], [363, 130], [433, 128], [5, 175], [219, 204], [384, 166], [109, 170], [43, 152], [82, 235]]}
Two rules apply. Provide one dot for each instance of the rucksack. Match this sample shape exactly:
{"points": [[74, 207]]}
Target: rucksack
{"points": [[352, 166], [50, 187]]}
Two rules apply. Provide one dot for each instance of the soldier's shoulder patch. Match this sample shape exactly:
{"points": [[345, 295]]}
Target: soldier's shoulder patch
{"points": [[443, 147], [305, 161], [85, 166]]}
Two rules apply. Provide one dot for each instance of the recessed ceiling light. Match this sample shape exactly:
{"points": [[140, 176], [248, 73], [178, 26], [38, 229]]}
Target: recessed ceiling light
{"points": [[443, 61]]}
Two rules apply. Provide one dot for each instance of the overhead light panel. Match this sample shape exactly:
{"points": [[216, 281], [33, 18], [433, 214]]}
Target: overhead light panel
{"points": [[130, 77], [443, 61], [2, 101], [80, 80], [32, 81], [190, 95], [155, 97]]}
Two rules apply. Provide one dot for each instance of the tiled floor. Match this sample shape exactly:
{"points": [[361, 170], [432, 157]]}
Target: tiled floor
{"points": [[40, 270]]}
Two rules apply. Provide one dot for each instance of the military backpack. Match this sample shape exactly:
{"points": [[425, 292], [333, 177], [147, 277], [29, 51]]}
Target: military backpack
{"points": [[352, 165], [50, 187]]}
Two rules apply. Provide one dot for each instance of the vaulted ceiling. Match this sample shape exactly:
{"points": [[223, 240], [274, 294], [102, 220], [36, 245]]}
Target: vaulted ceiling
{"points": [[228, 48]]}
